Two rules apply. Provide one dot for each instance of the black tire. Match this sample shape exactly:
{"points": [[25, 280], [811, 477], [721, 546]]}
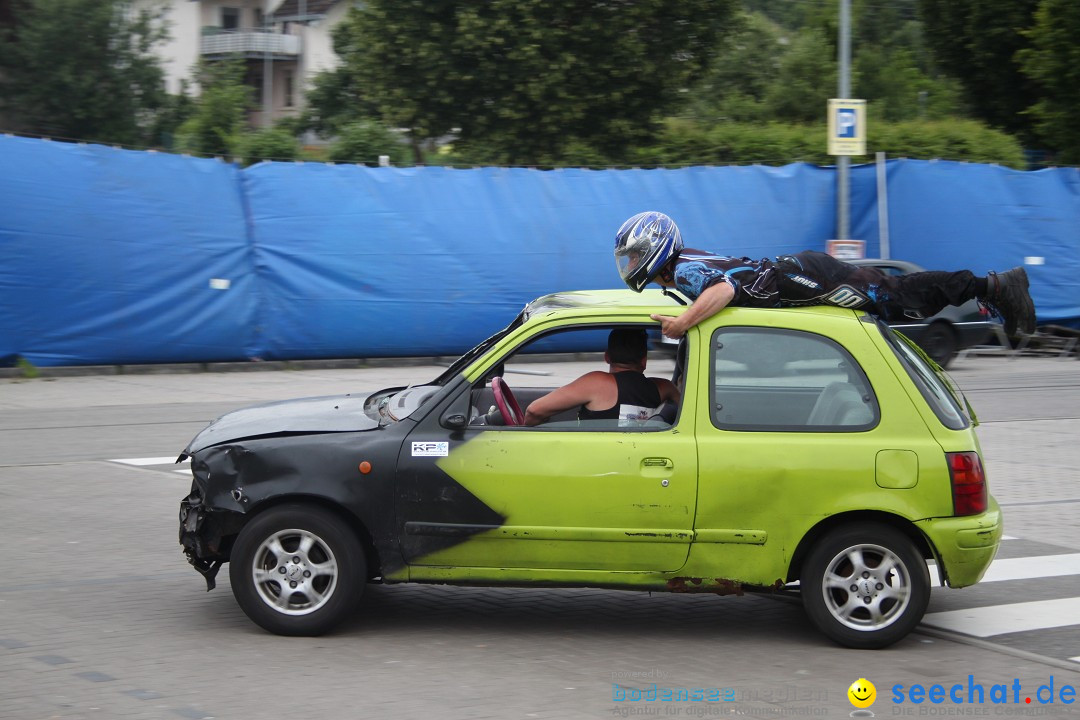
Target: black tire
{"points": [[306, 551], [939, 342], [891, 581]]}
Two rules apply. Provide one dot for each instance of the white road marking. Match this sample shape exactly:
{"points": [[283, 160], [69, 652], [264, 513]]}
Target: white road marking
{"points": [[184, 465], [1025, 568], [171, 460], [1033, 567], [1003, 619]]}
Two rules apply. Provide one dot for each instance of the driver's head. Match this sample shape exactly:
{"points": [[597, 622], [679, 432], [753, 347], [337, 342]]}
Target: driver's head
{"points": [[627, 346]]}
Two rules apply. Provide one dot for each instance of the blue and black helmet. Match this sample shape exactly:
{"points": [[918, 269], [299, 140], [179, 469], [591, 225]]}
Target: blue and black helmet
{"points": [[644, 245]]}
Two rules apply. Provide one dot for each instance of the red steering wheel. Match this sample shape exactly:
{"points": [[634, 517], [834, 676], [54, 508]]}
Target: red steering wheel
{"points": [[506, 402]]}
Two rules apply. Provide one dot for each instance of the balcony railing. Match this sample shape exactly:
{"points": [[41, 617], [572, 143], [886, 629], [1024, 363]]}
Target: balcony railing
{"points": [[249, 42]]}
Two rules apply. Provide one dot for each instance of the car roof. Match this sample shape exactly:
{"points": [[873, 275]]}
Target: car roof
{"points": [[599, 299], [585, 302]]}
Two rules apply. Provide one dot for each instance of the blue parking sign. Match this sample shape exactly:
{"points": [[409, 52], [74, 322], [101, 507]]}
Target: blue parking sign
{"points": [[846, 119], [847, 127]]}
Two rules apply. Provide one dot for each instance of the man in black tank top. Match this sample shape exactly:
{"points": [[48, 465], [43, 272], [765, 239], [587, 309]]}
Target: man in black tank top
{"points": [[622, 393]]}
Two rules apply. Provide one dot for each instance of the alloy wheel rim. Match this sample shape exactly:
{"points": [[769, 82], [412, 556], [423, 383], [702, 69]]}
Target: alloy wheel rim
{"points": [[294, 572], [866, 587]]}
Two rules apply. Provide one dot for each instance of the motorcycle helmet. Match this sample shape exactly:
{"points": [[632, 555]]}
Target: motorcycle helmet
{"points": [[643, 245]]}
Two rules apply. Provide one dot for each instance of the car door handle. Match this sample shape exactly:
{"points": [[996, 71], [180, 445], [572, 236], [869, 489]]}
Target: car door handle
{"points": [[660, 467]]}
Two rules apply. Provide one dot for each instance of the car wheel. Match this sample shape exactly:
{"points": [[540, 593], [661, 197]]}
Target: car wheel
{"points": [[939, 342], [865, 585], [297, 570]]}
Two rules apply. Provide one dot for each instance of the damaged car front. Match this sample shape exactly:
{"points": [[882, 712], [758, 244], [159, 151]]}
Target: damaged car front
{"points": [[298, 496], [249, 457]]}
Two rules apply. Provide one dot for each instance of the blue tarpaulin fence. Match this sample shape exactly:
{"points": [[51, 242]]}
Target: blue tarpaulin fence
{"points": [[114, 256]]}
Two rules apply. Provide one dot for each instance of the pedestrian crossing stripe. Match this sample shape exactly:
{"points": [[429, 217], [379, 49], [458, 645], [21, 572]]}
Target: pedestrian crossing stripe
{"points": [[1005, 619], [1033, 567], [1025, 568]]}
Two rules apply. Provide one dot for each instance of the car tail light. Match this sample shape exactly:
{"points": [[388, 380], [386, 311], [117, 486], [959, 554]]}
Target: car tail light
{"points": [[968, 483]]}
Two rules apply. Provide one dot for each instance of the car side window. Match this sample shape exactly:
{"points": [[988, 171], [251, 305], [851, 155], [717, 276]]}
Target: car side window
{"points": [[766, 379], [568, 354]]}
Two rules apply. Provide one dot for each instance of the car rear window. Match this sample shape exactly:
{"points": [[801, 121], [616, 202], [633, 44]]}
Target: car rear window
{"points": [[771, 379], [933, 387]]}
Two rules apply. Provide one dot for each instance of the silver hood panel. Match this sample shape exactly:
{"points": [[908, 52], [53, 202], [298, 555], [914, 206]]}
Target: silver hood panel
{"points": [[335, 413]]}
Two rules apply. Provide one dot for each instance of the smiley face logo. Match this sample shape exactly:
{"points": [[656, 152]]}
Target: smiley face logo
{"points": [[862, 693]]}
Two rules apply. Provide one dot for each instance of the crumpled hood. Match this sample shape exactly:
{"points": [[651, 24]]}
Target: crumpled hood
{"points": [[334, 413]]}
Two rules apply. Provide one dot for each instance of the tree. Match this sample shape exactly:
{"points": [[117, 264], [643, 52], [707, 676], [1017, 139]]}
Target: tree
{"points": [[273, 143], [220, 112], [894, 69], [526, 78], [332, 101], [746, 65], [364, 141], [1053, 63], [82, 69], [805, 81], [976, 41], [686, 142], [175, 111], [785, 51]]}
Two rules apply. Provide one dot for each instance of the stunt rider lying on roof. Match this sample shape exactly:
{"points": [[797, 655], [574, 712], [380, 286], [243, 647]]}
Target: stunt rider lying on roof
{"points": [[649, 247]]}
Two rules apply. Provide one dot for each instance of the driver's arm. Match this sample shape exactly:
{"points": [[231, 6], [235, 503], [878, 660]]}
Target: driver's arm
{"points": [[669, 392], [578, 392]]}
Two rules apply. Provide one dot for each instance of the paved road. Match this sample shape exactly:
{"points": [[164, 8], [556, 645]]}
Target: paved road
{"points": [[102, 618]]}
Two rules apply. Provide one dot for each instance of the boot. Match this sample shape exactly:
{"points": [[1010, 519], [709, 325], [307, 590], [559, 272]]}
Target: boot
{"points": [[1007, 296]]}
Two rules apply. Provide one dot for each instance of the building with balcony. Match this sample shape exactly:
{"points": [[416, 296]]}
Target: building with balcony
{"points": [[283, 43]]}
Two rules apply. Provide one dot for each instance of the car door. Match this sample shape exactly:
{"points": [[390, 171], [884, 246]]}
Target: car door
{"points": [[794, 434], [558, 497]]}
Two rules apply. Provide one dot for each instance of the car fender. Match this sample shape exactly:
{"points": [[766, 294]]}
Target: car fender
{"points": [[827, 525], [243, 478]]}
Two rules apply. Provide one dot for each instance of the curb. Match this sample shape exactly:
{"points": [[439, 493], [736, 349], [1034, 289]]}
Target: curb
{"points": [[217, 367], [31, 373]]}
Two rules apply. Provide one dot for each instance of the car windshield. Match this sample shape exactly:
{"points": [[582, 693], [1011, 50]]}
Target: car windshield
{"points": [[396, 404], [941, 394], [459, 364]]}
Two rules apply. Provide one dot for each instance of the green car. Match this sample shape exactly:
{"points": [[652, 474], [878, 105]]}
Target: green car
{"points": [[813, 450]]}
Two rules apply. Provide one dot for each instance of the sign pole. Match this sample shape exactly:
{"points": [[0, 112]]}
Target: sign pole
{"points": [[883, 207], [843, 165]]}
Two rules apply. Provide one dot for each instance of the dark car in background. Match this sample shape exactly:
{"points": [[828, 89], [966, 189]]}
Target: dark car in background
{"points": [[944, 334]]}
